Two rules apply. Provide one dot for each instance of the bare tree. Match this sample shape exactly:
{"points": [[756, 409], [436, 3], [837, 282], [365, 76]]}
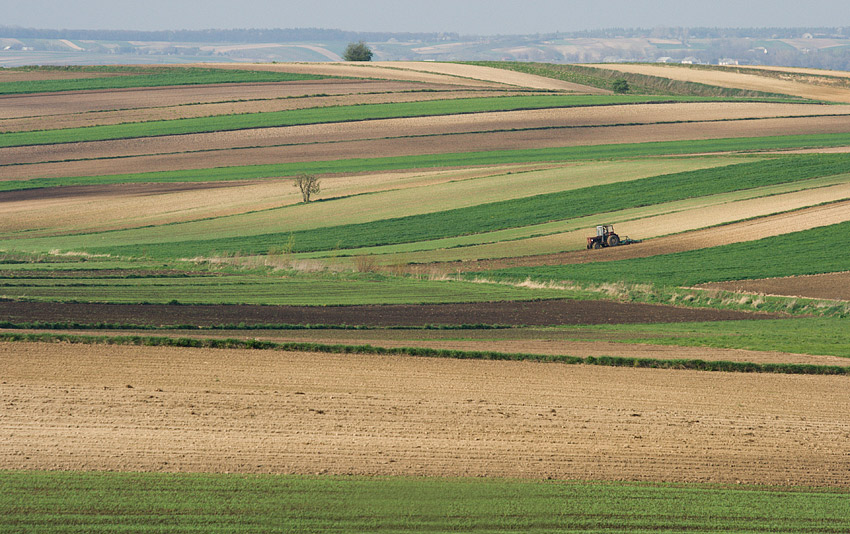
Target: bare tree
{"points": [[308, 184]]}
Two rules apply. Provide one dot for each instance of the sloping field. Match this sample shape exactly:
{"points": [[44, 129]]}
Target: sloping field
{"points": [[36, 105], [736, 80], [496, 75], [436, 144], [496, 122], [183, 111], [396, 195], [831, 286], [114, 206], [153, 409], [688, 222], [374, 70]]}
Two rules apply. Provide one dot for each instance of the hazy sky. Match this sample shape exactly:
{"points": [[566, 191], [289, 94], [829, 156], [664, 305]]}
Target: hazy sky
{"points": [[461, 16]]}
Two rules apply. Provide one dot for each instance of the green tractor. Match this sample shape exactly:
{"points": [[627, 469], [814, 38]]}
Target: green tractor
{"points": [[605, 237]]}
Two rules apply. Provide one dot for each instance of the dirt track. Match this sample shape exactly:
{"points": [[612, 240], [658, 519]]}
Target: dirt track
{"points": [[548, 312], [402, 146], [165, 409]]}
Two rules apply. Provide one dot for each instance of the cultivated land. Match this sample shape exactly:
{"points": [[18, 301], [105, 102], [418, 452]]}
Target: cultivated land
{"points": [[169, 303]]}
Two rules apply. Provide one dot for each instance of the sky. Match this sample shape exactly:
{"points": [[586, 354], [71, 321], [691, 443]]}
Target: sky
{"points": [[467, 17]]}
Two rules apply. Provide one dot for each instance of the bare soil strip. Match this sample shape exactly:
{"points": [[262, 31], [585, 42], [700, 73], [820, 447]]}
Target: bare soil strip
{"points": [[548, 312], [425, 126], [381, 147], [830, 286], [97, 118], [749, 230], [737, 80], [35, 105], [167, 409]]}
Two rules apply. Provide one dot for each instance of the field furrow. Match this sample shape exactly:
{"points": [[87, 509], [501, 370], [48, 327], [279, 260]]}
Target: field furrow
{"points": [[152, 409]]}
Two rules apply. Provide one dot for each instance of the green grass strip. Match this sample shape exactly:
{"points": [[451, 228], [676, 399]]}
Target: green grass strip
{"points": [[819, 250], [516, 212], [178, 503], [320, 115], [457, 159], [255, 344], [133, 77]]}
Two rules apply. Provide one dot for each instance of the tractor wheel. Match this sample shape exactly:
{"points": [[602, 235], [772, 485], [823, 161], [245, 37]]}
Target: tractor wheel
{"points": [[597, 245], [613, 240]]}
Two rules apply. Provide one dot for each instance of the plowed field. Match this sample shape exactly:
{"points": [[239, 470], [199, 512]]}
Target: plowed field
{"points": [[165, 409], [548, 312], [377, 146], [832, 286]]}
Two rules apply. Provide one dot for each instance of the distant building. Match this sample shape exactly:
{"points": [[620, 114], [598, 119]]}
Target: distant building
{"points": [[665, 59], [690, 60], [727, 61]]}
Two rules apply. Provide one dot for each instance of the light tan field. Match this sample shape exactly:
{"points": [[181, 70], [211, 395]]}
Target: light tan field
{"points": [[374, 70], [164, 409], [798, 70], [376, 146], [736, 80], [36, 75], [109, 207], [492, 74], [829, 286], [493, 122]]}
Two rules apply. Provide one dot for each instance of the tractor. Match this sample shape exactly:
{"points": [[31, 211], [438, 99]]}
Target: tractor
{"points": [[605, 237]]}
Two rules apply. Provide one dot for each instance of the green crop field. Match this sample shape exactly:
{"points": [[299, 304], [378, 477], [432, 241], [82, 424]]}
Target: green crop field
{"points": [[130, 502], [496, 157], [488, 217], [317, 116], [128, 77], [797, 253]]}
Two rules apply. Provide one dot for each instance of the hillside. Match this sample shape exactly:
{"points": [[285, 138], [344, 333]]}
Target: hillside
{"points": [[171, 302]]}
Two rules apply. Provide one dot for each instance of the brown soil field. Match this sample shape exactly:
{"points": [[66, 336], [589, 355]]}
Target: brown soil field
{"points": [[548, 312], [749, 230], [97, 118], [736, 80], [491, 74], [166, 409], [382, 147], [830, 286], [428, 126], [40, 104]]}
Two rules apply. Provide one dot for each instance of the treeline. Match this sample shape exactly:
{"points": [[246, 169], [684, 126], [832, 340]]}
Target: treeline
{"points": [[679, 32], [223, 36]]}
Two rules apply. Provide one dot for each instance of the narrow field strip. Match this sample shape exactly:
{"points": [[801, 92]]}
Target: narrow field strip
{"points": [[254, 344], [570, 126], [449, 159], [98, 502], [320, 115], [149, 77]]}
